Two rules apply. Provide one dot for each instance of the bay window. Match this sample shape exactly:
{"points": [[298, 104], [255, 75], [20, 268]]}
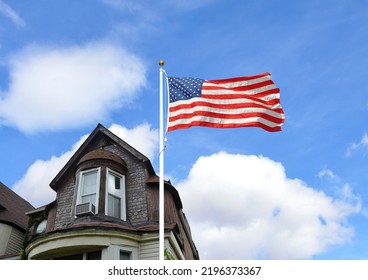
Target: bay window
{"points": [[110, 183]]}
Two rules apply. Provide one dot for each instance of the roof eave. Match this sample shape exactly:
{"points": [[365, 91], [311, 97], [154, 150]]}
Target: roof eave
{"points": [[79, 153]]}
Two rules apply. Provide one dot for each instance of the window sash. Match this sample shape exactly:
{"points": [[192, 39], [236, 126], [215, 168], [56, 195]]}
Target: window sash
{"points": [[89, 185], [95, 255], [89, 182], [115, 195], [125, 255], [113, 206]]}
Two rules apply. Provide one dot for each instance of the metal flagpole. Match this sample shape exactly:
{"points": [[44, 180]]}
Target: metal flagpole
{"points": [[161, 182]]}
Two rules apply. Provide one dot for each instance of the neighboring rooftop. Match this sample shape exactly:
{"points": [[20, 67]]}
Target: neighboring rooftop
{"points": [[13, 208]]}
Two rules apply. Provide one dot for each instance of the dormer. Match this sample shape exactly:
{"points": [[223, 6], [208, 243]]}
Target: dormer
{"points": [[107, 207]]}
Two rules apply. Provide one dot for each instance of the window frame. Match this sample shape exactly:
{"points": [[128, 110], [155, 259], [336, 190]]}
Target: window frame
{"points": [[81, 174], [113, 252], [84, 256], [122, 194], [133, 252], [41, 227]]}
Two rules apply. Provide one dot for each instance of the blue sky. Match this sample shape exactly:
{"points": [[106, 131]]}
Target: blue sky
{"points": [[66, 66]]}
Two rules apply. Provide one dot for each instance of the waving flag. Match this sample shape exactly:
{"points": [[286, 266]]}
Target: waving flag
{"points": [[227, 103]]}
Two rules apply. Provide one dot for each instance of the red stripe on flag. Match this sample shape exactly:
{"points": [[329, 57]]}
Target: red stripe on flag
{"points": [[221, 106], [216, 125], [226, 116], [207, 86], [239, 79]]}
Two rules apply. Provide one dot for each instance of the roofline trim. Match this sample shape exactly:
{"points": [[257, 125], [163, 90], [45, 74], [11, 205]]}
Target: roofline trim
{"points": [[101, 129]]}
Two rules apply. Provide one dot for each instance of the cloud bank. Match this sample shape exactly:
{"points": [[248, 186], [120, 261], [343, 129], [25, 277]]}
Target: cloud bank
{"points": [[238, 206], [245, 207], [57, 88]]}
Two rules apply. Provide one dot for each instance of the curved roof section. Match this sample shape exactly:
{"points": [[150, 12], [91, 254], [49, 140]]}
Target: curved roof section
{"points": [[102, 154], [99, 134], [155, 181]]}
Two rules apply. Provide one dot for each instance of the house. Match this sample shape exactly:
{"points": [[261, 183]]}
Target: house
{"points": [[107, 208], [13, 222]]}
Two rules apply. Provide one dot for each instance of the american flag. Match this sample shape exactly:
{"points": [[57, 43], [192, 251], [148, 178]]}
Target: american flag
{"points": [[227, 103]]}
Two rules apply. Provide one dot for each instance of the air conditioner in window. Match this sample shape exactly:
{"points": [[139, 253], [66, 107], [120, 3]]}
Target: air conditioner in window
{"points": [[85, 209]]}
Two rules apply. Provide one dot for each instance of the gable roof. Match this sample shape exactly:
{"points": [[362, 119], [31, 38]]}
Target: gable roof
{"points": [[13, 208], [100, 132]]}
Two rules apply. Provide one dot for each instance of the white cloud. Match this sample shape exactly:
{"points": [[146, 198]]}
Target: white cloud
{"points": [[362, 145], [139, 22], [327, 173], [8, 12], [58, 88], [329, 176], [143, 138], [34, 185], [244, 207]]}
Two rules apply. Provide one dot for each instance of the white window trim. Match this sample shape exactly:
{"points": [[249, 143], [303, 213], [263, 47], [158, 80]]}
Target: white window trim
{"points": [[83, 253], [79, 198], [132, 250], [122, 194], [112, 252]]}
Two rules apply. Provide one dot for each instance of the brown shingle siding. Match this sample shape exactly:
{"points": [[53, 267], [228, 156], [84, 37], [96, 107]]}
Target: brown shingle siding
{"points": [[64, 202], [136, 198]]}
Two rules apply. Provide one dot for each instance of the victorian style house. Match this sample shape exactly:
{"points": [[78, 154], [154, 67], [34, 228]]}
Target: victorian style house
{"points": [[107, 208]]}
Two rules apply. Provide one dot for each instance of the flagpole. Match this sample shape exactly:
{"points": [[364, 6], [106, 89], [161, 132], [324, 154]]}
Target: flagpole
{"points": [[161, 181]]}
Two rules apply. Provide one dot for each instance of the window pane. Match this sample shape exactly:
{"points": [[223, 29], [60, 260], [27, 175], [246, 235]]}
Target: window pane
{"points": [[125, 255], [115, 195], [71, 257], [89, 182], [117, 183], [113, 207], [94, 255], [114, 182], [89, 198]]}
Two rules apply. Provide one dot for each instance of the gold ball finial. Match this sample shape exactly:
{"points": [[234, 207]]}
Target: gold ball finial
{"points": [[161, 62]]}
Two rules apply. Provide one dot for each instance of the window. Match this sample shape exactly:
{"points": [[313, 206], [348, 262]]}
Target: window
{"points": [[70, 257], [120, 252], [41, 227], [125, 255], [89, 183], [115, 195], [88, 193], [95, 255]]}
